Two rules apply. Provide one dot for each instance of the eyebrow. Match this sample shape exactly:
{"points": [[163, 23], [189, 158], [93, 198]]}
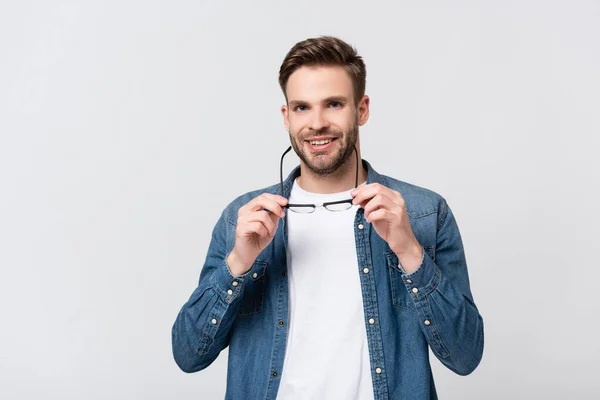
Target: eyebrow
{"points": [[341, 99]]}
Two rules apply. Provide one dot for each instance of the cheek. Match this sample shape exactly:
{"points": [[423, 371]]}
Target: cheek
{"points": [[296, 125], [344, 121], [295, 132]]}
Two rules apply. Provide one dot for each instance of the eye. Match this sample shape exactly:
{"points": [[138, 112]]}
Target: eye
{"points": [[335, 104], [301, 107]]}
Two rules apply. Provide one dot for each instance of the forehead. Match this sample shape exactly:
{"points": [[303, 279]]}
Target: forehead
{"points": [[314, 83]]}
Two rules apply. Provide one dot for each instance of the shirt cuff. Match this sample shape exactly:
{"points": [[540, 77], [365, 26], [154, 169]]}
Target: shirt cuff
{"points": [[228, 287], [422, 281]]}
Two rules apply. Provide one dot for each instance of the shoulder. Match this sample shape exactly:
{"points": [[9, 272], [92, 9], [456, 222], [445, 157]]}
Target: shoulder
{"points": [[420, 201]]}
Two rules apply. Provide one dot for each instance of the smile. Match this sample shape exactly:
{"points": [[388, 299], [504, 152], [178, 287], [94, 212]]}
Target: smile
{"points": [[320, 143]]}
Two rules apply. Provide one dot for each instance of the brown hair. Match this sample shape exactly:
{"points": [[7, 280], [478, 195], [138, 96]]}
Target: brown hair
{"points": [[325, 51]]}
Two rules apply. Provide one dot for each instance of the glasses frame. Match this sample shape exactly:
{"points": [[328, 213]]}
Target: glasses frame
{"points": [[314, 206]]}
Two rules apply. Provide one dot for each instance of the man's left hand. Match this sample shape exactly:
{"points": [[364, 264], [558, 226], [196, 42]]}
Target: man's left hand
{"points": [[385, 209]]}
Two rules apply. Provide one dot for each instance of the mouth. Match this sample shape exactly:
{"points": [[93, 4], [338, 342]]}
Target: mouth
{"points": [[320, 143]]}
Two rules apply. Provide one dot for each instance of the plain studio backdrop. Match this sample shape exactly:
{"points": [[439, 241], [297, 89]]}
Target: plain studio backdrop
{"points": [[127, 126]]}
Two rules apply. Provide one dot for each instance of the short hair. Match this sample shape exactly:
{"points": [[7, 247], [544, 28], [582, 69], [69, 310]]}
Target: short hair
{"points": [[325, 51]]}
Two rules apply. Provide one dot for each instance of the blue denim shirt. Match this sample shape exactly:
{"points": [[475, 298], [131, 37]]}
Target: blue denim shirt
{"points": [[429, 308]]}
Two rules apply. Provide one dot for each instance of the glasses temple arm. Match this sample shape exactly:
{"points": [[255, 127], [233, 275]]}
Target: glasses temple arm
{"points": [[281, 168], [357, 166]]}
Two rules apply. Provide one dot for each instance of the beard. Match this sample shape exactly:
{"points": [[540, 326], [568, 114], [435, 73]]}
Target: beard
{"points": [[326, 164]]}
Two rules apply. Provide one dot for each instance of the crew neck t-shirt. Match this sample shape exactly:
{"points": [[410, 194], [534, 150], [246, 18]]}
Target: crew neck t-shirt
{"points": [[327, 355]]}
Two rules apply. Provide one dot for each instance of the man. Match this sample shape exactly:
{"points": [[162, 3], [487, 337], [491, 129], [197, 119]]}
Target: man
{"points": [[334, 283]]}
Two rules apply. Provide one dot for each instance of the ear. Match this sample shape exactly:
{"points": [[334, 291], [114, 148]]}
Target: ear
{"points": [[363, 110], [286, 119]]}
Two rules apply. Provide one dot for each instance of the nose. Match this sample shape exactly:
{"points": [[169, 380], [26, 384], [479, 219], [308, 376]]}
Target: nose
{"points": [[319, 121]]}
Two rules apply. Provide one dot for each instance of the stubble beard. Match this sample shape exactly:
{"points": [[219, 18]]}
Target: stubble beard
{"points": [[323, 164]]}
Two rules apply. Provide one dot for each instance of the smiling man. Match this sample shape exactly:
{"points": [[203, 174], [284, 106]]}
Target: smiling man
{"points": [[335, 282]]}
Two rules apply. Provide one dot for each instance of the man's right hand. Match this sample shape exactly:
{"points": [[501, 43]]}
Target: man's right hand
{"points": [[255, 229]]}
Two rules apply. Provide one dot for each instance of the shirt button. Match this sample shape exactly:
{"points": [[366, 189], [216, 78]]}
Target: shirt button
{"points": [[360, 226], [255, 275], [274, 373], [366, 270], [415, 290], [371, 321], [230, 292], [234, 283], [214, 321], [427, 322], [378, 370], [281, 323], [408, 281], [283, 274]]}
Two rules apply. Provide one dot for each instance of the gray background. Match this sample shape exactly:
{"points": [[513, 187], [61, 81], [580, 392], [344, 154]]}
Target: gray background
{"points": [[127, 126]]}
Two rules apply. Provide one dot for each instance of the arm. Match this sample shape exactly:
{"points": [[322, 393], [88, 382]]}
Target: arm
{"points": [[202, 326], [447, 313]]}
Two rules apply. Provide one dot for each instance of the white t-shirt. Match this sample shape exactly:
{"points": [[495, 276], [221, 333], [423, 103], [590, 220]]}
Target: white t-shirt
{"points": [[327, 354]]}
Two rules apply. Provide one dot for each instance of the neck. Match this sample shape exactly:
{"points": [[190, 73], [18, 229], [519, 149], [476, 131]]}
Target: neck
{"points": [[339, 181]]}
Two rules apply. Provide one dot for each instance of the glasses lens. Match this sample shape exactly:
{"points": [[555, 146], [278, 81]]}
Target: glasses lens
{"points": [[302, 209], [338, 206]]}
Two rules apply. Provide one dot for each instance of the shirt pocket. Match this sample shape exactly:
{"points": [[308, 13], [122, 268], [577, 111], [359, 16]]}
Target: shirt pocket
{"points": [[400, 296], [254, 291]]}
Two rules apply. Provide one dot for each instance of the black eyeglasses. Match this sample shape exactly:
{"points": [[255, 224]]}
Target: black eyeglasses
{"points": [[340, 205]]}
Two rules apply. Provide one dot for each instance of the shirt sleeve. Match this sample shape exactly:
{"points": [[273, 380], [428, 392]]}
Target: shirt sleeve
{"points": [[443, 301], [201, 329]]}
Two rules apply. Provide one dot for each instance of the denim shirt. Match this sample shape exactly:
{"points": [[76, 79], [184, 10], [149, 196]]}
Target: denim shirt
{"points": [[431, 308]]}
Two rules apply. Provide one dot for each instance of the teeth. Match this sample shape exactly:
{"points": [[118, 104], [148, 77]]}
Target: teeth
{"points": [[319, 142]]}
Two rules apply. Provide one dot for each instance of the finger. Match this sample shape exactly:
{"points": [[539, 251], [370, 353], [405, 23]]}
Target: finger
{"points": [[275, 203], [398, 198], [385, 195], [263, 218], [279, 199], [264, 202], [270, 222], [369, 191], [275, 219], [356, 191], [379, 215], [255, 227], [260, 202], [377, 202]]}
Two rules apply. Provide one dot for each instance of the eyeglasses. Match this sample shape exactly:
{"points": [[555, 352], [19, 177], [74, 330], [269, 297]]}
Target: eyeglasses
{"points": [[340, 205]]}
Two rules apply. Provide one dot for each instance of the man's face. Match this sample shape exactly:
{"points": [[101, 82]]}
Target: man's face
{"points": [[322, 118]]}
